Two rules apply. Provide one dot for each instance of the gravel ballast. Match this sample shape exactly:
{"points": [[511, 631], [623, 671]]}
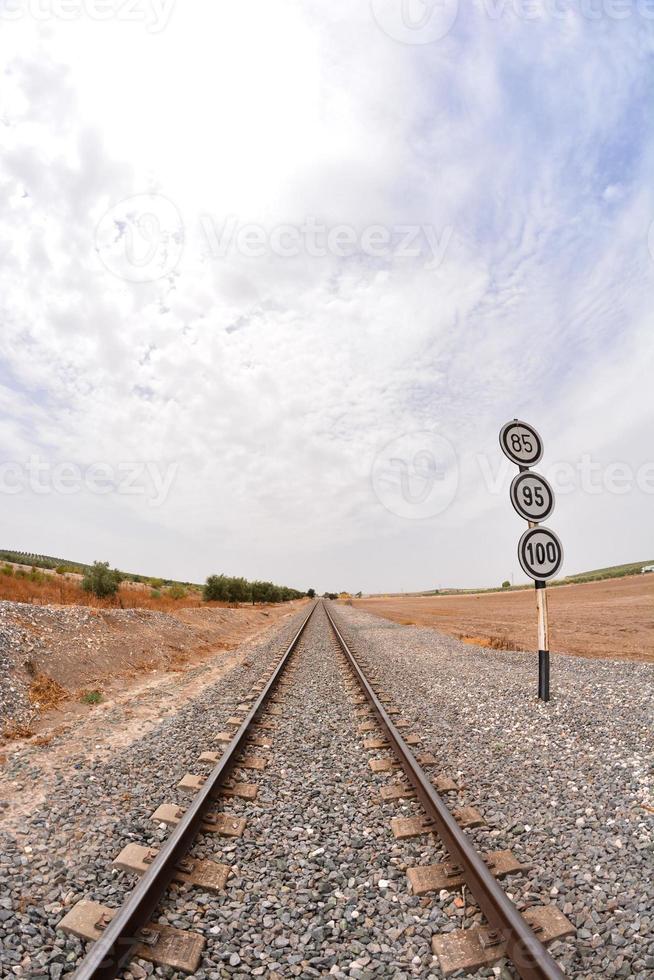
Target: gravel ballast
{"points": [[567, 785], [318, 882]]}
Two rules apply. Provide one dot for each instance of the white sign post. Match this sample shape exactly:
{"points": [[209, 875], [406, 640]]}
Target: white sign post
{"points": [[539, 550]]}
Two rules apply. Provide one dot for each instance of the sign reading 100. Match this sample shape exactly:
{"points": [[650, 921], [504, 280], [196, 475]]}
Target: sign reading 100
{"points": [[540, 553]]}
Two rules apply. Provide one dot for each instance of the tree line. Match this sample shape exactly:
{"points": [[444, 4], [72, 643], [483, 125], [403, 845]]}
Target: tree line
{"points": [[104, 582], [227, 588]]}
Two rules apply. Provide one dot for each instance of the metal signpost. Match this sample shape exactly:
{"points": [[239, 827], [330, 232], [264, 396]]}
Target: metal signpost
{"points": [[539, 550]]}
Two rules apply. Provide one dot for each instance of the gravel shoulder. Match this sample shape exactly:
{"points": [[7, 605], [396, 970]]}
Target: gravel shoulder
{"points": [[568, 786]]}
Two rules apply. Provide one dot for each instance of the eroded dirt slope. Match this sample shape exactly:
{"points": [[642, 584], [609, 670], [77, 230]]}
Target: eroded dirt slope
{"points": [[49, 653]]}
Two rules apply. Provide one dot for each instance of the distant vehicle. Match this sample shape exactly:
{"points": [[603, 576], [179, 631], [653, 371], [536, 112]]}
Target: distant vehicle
{"points": [[646, 568]]}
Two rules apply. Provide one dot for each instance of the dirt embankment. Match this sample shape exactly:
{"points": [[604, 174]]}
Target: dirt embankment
{"points": [[65, 659], [612, 619]]}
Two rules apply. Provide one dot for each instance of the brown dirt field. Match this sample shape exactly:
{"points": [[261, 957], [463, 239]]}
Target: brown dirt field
{"points": [[610, 619]]}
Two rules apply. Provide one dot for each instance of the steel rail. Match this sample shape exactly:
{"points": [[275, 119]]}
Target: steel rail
{"points": [[528, 955], [112, 950]]}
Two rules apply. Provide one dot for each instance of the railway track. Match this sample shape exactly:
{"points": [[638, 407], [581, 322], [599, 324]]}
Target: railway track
{"points": [[119, 935]]}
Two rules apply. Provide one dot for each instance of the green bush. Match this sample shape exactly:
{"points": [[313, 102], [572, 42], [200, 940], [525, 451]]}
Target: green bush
{"points": [[7, 570], [155, 593], [506, 584], [101, 580], [177, 591], [91, 697]]}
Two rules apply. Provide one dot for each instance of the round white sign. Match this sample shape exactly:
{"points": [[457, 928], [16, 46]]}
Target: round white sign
{"points": [[521, 443], [540, 553], [532, 496]]}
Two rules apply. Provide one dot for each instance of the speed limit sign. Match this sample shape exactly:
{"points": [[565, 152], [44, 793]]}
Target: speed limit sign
{"points": [[539, 550], [521, 443], [532, 496], [540, 553]]}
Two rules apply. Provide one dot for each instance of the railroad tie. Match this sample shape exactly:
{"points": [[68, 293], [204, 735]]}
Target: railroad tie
{"points": [[241, 791], [223, 824], [403, 790], [384, 765], [193, 871], [162, 945], [448, 875], [405, 827], [192, 781], [470, 949], [260, 741], [367, 726], [383, 743]]}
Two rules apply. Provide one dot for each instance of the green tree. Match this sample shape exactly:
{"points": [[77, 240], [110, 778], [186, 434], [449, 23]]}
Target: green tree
{"points": [[506, 584], [216, 589], [101, 580], [259, 592], [228, 588], [311, 593], [239, 590]]}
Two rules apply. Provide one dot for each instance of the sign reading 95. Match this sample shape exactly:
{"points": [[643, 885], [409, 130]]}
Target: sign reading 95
{"points": [[521, 443], [532, 496], [540, 553]]}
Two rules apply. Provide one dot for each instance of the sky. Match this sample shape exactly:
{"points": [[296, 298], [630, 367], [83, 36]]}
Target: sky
{"points": [[273, 276]]}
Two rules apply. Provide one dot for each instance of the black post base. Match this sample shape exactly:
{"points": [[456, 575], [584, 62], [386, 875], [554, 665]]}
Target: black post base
{"points": [[544, 675]]}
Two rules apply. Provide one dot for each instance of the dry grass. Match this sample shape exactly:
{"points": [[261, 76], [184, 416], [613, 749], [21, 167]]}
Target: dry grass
{"points": [[46, 692], [66, 591], [43, 740], [492, 642], [14, 730]]}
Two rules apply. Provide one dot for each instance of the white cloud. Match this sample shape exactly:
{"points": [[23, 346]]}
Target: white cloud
{"points": [[273, 382]]}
